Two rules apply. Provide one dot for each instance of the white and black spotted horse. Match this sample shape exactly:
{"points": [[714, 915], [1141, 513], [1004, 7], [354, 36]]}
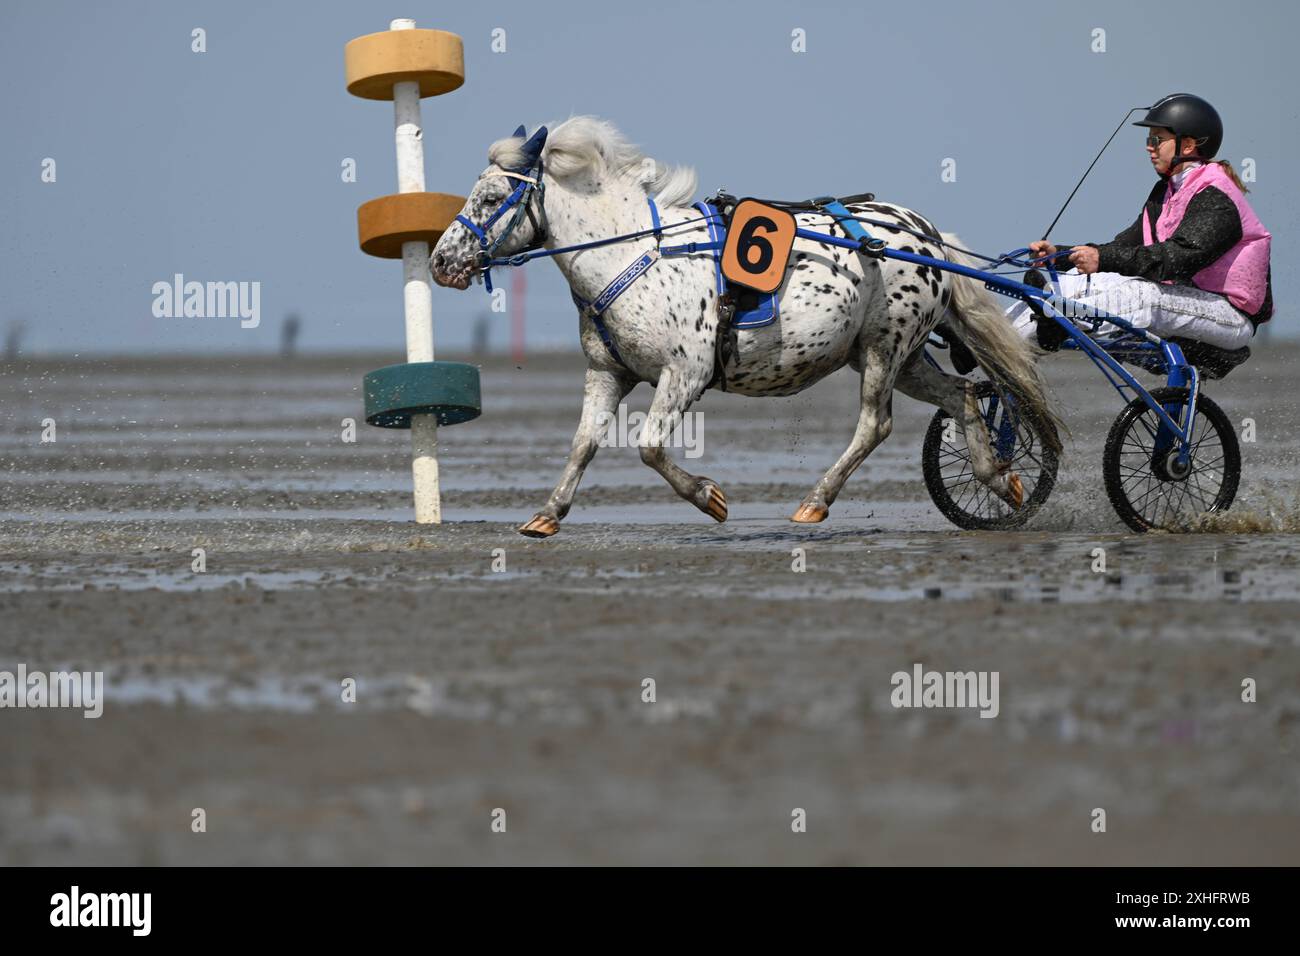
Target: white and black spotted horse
{"points": [[836, 307]]}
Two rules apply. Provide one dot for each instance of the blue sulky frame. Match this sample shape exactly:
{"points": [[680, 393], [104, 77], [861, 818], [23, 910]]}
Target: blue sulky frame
{"points": [[1131, 344]]}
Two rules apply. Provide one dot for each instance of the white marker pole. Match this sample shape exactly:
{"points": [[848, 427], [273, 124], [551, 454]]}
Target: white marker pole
{"points": [[418, 293]]}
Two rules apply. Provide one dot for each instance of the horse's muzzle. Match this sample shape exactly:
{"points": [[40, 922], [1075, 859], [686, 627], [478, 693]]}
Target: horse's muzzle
{"points": [[448, 278]]}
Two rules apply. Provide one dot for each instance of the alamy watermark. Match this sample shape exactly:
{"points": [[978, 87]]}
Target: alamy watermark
{"points": [[75, 908], [922, 688], [79, 690], [626, 429], [208, 300]]}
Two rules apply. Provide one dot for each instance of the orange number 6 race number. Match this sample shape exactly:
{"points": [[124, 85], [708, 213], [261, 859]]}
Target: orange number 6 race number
{"points": [[758, 246]]}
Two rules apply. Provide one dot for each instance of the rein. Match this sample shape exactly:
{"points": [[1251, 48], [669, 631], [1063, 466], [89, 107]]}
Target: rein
{"points": [[530, 185]]}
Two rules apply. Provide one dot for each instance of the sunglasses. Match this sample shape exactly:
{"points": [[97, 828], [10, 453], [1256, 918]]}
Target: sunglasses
{"points": [[1155, 139]]}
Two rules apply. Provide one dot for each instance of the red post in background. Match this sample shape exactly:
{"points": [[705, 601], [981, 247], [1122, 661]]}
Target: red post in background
{"points": [[518, 290]]}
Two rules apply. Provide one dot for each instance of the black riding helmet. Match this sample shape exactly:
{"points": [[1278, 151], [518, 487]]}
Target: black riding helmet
{"points": [[1186, 115]]}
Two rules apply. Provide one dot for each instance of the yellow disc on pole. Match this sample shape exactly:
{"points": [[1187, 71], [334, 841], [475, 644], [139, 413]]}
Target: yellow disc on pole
{"points": [[374, 62]]}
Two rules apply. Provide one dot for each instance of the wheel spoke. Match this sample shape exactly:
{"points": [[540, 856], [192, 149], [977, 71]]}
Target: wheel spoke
{"points": [[972, 501]]}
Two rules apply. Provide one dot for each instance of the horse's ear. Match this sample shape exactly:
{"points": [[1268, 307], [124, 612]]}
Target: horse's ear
{"points": [[533, 148], [520, 132]]}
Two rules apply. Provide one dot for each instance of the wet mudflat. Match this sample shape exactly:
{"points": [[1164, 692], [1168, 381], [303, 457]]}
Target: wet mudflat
{"points": [[494, 671]]}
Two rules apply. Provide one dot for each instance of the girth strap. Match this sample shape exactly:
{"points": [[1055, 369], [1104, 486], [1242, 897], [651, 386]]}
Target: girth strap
{"points": [[716, 239]]}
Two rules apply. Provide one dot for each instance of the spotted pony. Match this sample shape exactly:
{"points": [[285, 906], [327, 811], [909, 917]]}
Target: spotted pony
{"points": [[837, 307]]}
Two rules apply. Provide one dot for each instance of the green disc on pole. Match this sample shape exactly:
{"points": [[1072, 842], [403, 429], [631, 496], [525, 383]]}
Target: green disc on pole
{"points": [[449, 390]]}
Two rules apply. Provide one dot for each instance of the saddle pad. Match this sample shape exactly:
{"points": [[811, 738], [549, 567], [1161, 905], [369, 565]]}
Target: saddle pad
{"points": [[766, 310]]}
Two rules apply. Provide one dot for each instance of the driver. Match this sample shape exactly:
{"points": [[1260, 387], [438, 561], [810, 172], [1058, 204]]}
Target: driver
{"points": [[1195, 263]]}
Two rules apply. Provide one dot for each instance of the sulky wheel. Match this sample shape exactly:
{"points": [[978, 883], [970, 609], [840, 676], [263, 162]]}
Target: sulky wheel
{"points": [[1144, 482], [950, 478]]}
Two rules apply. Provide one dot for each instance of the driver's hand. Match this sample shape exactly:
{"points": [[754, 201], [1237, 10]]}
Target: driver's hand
{"points": [[1085, 258], [1041, 248]]}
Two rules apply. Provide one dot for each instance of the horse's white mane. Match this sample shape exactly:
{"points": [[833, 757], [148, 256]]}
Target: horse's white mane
{"points": [[586, 142]]}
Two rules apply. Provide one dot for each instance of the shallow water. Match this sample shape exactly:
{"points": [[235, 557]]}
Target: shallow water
{"points": [[264, 436]]}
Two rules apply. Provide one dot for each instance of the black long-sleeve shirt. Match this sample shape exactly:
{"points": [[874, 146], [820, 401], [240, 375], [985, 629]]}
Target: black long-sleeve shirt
{"points": [[1209, 228]]}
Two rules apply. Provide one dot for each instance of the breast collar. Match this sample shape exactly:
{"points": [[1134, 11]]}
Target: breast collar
{"points": [[595, 309]]}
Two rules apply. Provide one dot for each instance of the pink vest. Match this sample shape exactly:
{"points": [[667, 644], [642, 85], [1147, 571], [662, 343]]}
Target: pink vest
{"points": [[1241, 273]]}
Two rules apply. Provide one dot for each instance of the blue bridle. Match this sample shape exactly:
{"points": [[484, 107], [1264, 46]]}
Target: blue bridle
{"points": [[520, 199]]}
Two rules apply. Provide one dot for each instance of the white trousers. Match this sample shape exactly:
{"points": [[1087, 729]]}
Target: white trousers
{"points": [[1167, 310]]}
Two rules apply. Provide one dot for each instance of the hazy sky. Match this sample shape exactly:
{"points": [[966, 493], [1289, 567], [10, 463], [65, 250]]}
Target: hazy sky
{"points": [[225, 165]]}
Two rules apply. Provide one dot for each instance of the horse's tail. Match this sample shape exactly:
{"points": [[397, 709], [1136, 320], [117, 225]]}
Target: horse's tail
{"points": [[998, 348]]}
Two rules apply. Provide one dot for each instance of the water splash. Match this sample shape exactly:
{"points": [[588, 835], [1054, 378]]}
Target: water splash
{"points": [[1274, 516]]}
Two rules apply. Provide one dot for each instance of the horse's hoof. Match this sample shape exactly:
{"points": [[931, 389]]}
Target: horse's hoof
{"points": [[541, 526], [1016, 490], [810, 514], [715, 506]]}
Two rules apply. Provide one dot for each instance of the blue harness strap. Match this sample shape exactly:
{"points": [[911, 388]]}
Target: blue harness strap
{"points": [[848, 222], [765, 313], [489, 247], [481, 231], [717, 239], [595, 309], [584, 308]]}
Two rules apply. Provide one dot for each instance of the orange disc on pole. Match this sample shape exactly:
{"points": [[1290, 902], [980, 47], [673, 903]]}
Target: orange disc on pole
{"points": [[385, 223], [433, 58]]}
